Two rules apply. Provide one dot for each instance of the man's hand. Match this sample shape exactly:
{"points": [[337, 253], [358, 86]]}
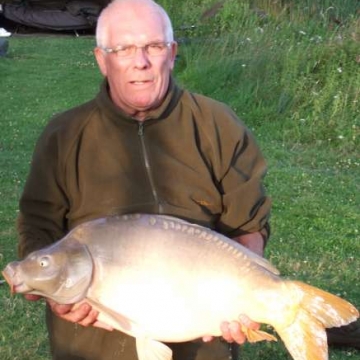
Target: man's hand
{"points": [[82, 314], [32, 297], [231, 331], [253, 241]]}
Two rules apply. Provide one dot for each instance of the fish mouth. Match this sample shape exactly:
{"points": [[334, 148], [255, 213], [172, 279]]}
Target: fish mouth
{"points": [[21, 288], [7, 278], [9, 275]]}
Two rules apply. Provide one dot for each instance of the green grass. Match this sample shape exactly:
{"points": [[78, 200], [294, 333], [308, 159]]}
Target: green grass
{"points": [[295, 83]]}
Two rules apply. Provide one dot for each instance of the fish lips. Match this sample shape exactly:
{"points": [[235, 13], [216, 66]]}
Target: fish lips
{"points": [[11, 277]]}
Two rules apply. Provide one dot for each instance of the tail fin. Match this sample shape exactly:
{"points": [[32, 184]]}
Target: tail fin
{"points": [[329, 309], [306, 338]]}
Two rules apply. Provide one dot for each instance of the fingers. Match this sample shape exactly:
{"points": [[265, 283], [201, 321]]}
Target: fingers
{"points": [[102, 325], [247, 322], [89, 319], [83, 315], [232, 332], [207, 338], [59, 309]]}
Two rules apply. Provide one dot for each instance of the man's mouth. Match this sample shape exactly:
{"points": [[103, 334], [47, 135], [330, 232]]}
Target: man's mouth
{"points": [[140, 82]]}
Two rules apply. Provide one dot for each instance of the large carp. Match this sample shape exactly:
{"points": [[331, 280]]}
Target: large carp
{"points": [[161, 279]]}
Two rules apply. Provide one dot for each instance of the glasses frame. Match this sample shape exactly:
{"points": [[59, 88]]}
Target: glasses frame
{"points": [[118, 48]]}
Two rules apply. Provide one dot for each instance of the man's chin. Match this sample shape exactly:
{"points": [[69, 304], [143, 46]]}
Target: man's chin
{"points": [[145, 106]]}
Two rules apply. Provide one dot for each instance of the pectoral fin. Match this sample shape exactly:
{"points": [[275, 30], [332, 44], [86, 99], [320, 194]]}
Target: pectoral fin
{"points": [[256, 335], [148, 349], [110, 317]]}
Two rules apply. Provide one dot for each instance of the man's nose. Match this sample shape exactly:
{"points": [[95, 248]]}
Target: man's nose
{"points": [[141, 58]]}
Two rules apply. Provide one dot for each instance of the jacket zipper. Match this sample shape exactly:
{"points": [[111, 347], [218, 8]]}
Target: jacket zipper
{"points": [[147, 166]]}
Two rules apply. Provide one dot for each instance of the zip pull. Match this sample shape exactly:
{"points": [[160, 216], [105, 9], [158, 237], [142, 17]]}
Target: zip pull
{"points": [[141, 129]]}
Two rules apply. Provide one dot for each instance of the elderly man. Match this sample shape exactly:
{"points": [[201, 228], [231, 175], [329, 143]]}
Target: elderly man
{"points": [[142, 145]]}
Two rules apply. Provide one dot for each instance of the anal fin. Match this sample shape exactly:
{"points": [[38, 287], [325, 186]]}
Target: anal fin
{"points": [[257, 335]]}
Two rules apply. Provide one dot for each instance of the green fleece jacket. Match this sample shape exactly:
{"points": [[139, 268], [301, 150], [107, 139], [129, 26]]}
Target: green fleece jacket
{"points": [[191, 158]]}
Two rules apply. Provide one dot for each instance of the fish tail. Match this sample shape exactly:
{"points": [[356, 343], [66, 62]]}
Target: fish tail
{"points": [[305, 338], [329, 309]]}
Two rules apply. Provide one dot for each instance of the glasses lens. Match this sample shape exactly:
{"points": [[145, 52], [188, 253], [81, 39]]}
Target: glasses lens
{"points": [[156, 49], [126, 51], [152, 49]]}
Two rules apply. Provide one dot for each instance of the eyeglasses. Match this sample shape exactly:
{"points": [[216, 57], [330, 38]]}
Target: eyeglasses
{"points": [[129, 51]]}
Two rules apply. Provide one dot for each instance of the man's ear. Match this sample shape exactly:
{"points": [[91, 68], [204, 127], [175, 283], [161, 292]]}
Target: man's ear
{"points": [[173, 49], [100, 59]]}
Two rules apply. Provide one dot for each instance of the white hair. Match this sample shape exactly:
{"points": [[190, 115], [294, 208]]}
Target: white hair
{"points": [[112, 10]]}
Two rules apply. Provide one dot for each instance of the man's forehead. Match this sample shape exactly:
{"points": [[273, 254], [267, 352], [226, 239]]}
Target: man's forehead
{"points": [[137, 29]]}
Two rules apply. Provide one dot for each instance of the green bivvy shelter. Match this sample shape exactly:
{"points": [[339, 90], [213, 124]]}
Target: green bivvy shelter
{"points": [[55, 15]]}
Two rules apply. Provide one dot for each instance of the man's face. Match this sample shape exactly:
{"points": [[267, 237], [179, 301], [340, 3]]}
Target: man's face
{"points": [[137, 83]]}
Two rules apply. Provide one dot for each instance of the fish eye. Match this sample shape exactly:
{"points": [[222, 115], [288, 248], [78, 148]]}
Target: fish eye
{"points": [[44, 261]]}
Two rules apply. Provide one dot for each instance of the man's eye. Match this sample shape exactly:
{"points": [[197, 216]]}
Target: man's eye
{"points": [[125, 49], [156, 46]]}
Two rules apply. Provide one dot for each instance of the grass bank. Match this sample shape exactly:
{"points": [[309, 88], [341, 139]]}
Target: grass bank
{"points": [[290, 72]]}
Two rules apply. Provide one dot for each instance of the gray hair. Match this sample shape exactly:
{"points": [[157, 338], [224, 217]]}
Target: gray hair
{"points": [[102, 23]]}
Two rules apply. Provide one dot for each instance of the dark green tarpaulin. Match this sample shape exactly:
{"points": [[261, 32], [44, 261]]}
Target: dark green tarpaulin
{"points": [[55, 15]]}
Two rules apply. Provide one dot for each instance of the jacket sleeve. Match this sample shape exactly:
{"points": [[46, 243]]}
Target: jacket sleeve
{"points": [[240, 169], [43, 204]]}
